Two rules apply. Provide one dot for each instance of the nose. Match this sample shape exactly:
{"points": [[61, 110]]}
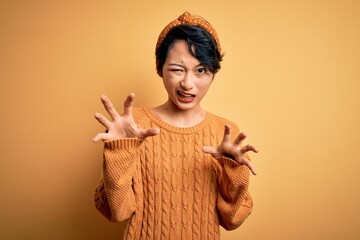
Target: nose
{"points": [[188, 81]]}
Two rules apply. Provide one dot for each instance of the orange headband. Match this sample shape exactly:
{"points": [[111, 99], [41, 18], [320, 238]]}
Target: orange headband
{"points": [[187, 18]]}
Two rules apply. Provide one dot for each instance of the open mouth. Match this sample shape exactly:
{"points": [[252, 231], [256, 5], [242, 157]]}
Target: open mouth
{"points": [[185, 97]]}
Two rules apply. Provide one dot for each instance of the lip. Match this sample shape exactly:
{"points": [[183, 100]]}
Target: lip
{"points": [[185, 93], [185, 97]]}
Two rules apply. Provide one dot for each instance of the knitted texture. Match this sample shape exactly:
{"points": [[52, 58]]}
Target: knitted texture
{"points": [[167, 188], [187, 18]]}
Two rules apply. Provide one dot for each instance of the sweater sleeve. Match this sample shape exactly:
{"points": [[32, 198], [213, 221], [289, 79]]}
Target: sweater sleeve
{"points": [[114, 196], [234, 201]]}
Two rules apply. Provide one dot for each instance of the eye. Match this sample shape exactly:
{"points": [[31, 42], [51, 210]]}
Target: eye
{"points": [[176, 71], [201, 70]]}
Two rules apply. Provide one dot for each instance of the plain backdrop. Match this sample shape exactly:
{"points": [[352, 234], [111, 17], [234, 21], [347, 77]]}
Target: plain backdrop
{"points": [[289, 79]]}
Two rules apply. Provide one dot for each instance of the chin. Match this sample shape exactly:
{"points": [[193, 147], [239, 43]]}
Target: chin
{"points": [[186, 106]]}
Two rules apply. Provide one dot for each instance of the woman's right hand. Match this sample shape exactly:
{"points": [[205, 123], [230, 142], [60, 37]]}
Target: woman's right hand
{"points": [[121, 126]]}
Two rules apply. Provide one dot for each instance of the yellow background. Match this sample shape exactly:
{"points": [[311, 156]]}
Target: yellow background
{"points": [[290, 79]]}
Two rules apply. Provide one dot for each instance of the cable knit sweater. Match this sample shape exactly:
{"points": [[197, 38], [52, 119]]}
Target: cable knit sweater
{"points": [[167, 188]]}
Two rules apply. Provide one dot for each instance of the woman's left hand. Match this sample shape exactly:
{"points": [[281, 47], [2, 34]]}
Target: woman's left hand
{"points": [[232, 149]]}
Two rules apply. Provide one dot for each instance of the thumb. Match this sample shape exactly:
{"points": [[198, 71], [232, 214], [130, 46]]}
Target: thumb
{"points": [[98, 137], [153, 131], [209, 150], [144, 133]]}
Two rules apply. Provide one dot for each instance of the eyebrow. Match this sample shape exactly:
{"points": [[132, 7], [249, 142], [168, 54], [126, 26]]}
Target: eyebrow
{"points": [[180, 65], [175, 64]]}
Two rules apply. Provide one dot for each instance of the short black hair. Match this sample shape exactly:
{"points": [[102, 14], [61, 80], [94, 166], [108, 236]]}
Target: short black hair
{"points": [[201, 45]]}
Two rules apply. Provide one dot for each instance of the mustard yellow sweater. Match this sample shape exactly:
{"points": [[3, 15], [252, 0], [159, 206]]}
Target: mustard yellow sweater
{"points": [[167, 188]]}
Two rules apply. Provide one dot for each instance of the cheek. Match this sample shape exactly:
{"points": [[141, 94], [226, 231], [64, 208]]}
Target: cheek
{"points": [[169, 84], [204, 85], [171, 79]]}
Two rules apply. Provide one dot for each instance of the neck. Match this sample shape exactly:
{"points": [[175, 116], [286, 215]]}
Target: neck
{"points": [[178, 117]]}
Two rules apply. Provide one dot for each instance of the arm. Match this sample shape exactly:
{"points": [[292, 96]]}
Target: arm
{"points": [[233, 168], [234, 202], [115, 197]]}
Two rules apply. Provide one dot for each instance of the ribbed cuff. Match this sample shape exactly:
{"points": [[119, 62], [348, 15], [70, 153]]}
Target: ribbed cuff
{"points": [[124, 143], [236, 173], [119, 158], [228, 161]]}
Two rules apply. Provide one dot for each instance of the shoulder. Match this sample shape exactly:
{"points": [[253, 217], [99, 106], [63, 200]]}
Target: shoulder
{"points": [[219, 122], [139, 114], [140, 117]]}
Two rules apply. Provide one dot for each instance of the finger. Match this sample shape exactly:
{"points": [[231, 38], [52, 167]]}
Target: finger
{"points": [[100, 136], [109, 107], [227, 133], [144, 133], [248, 148], [103, 120], [249, 165], [210, 150], [238, 140], [128, 104]]}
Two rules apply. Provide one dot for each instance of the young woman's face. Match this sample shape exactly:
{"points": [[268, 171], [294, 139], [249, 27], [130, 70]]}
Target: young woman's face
{"points": [[185, 79]]}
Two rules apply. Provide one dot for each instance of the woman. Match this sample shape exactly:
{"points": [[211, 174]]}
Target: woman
{"points": [[172, 170]]}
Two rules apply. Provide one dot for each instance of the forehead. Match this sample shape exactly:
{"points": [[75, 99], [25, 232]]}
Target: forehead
{"points": [[179, 53]]}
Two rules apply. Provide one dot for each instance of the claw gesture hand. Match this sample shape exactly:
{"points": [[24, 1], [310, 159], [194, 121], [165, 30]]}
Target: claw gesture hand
{"points": [[232, 149], [121, 126]]}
